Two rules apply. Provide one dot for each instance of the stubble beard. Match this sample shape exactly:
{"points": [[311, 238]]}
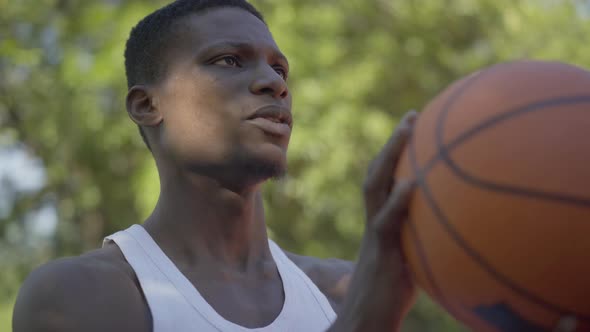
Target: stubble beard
{"points": [[258, 170], [242, 171]]}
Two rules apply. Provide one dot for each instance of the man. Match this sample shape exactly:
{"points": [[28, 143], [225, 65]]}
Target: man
{"points": [[208, 89]]}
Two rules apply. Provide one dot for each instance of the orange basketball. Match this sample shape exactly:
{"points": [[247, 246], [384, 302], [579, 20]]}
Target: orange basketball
{"points": [[499, 227]]}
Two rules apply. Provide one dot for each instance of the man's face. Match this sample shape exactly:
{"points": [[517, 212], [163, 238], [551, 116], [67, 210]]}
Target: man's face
{"points": [[224, 100]]}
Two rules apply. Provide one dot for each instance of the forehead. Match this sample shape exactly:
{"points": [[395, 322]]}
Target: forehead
{"points": [[225, 24]]}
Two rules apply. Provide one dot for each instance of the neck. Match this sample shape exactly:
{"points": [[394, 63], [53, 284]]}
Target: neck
{"points": [[202, 225]]}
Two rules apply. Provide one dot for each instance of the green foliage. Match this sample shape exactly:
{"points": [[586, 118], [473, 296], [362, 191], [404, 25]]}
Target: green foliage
{"points": [[356, 66], [6, 314]]}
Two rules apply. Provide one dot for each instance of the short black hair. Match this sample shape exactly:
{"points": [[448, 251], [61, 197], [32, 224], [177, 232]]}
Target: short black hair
{"points": [[144, 52]]}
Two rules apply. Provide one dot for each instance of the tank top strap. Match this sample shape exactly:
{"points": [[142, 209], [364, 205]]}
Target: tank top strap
{"points": [[138, 252]]}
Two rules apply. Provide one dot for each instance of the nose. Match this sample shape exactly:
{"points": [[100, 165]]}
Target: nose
{"points": [[269, 82]]}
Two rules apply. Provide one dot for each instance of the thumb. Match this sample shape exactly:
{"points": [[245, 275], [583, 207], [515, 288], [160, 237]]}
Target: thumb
{"points": [[389, 219]]}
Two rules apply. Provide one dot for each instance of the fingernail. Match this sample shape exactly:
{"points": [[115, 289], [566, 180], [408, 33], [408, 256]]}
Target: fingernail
{"points": [[567, 323]]}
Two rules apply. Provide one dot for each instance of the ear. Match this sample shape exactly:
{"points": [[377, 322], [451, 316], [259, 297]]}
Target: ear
{"points": [[141, 107]]}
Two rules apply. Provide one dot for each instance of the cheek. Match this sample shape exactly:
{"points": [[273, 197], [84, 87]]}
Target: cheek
{"points": [[199, 122], [195, 137]]}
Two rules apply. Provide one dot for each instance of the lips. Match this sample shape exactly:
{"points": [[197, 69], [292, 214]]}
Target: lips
{"points": [[274, 120], [271, 127], [274, 113]]}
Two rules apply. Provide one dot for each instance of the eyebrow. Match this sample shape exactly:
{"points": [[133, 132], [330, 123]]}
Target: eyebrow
{"points": [[243, 46]]}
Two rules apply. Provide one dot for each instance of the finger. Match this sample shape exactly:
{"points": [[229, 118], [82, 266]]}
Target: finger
{"points": [[566, 324], [395, 210], [394, 144], [379, 180], [402, 128]]}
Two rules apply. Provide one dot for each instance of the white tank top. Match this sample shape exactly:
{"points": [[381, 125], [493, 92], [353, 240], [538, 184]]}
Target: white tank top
{"points": [[177, 306]]}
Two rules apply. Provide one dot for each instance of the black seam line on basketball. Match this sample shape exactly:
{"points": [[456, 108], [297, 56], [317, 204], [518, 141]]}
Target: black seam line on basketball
{"points": [[488, 268], [446, 105], [444, 152], [485, 125], [463, 244], [428, 271], [419, 176]]}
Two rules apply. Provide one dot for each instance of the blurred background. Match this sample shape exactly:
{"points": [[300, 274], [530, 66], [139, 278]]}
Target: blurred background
{"points": [[73, 167]]}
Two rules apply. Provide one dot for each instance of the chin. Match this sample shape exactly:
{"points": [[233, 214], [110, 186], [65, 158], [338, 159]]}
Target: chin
{"points": [[260, 170], [254, 165]]}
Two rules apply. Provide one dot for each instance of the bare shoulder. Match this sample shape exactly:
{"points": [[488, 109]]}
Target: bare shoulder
{"points": [[92, 292], [331, 276]]}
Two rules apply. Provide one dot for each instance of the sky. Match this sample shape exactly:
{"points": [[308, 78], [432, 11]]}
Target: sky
{"points": [[21, 173]]}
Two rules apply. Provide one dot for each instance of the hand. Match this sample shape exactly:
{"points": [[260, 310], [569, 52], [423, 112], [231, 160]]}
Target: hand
{"points": [[381, 290], [566, 324], [386, 203]]}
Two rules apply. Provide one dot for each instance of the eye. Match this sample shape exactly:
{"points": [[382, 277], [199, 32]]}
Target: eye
{"points": [[228, 60], [281, 71]]}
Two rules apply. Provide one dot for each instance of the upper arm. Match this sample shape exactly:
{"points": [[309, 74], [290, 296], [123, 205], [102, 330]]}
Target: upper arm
{"points": [[331, 276], [334, 280], [73, 295]]}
